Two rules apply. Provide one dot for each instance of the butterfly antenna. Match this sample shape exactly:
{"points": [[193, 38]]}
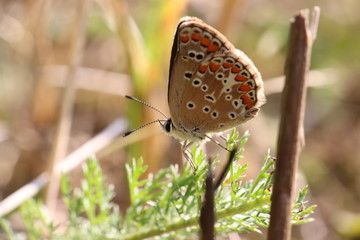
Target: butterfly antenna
{"points": [[146, 124], [146, 104]]}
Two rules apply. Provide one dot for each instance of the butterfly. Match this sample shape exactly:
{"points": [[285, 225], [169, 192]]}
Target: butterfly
{"points": [[212, 85]]}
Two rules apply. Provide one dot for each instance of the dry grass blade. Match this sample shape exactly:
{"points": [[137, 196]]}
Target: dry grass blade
{"points": [[73, 160], [64, 125]]}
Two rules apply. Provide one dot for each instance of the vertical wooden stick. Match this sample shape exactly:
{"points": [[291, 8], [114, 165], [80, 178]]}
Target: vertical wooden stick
{"points": [[291, 136]]}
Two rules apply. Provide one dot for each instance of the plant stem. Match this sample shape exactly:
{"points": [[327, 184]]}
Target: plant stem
{"points": [[194, 221]]}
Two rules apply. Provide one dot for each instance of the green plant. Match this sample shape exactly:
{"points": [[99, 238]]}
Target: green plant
{"points": [[164, 205]]}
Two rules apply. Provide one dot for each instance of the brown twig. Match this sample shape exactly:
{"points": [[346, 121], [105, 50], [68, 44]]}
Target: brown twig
{"points": [[207, 212], [224, 171], [291, 136]]}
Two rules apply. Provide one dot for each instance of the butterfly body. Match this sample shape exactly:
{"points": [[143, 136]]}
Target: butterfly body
{"points": [[212, 85]]}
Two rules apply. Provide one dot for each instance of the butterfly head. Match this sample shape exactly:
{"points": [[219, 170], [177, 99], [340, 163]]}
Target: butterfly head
{"points": [[181, 133], [170, 129]]}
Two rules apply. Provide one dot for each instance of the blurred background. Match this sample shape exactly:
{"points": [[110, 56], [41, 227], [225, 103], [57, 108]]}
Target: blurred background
{"points": [[86, 55]]}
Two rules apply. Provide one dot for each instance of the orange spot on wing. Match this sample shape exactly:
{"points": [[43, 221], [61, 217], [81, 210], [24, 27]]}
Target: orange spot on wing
{"points": [[203, 68], [227, 65], [245, 88], [214, 66], [240, 78], [205, 42], [235, 70], [213, 48], [195, 36], [247, 101], [184, 39]]}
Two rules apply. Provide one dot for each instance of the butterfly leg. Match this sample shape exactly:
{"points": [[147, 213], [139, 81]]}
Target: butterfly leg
{"points": [[219, 144], [186, 152]]}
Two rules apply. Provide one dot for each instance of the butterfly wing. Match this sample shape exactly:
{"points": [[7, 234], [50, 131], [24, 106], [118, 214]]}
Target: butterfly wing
{"points": [[212, 85], [193, 42], [226, 91]]}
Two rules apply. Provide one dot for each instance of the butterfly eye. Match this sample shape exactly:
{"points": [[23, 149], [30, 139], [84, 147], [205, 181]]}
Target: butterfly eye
{"points": [[168, 126]]}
